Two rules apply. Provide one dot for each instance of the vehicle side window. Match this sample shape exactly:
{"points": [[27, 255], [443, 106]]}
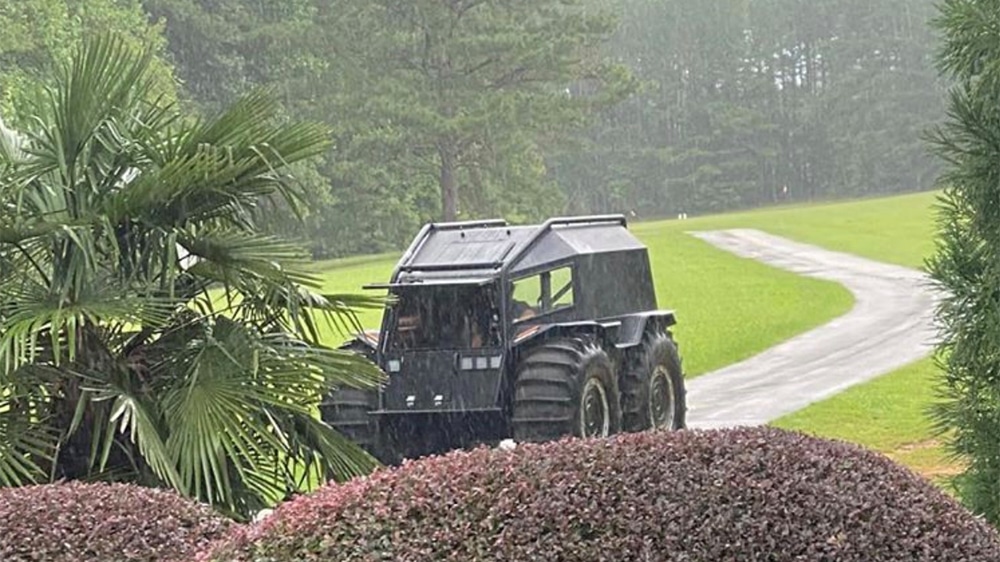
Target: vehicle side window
{"points": [[542, 293], [561, 287], [527, 297]]}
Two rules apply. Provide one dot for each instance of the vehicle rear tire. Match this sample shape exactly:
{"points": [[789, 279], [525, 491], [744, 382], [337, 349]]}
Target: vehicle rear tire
{"points": [[562, 387], [347, 409], [653, 393]]}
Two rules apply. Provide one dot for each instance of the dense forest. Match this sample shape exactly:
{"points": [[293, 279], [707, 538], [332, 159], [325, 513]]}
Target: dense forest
{"points": [[527, 108]]}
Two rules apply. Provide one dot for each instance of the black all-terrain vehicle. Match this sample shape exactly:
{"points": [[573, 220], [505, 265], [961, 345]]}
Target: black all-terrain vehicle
{"points": [[529, 332]]}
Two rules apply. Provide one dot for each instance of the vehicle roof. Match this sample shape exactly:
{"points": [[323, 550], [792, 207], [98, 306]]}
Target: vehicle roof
{"points": [[477, 252]]}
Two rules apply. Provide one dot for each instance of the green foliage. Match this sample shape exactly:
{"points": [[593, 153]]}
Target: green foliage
{"points": [[437, 107], [38, 35], [967, 262], [463, 93], [738, 494], [116, 360], [487, 108]]}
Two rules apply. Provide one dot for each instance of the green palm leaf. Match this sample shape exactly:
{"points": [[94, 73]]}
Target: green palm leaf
{"points": [[27, 440], [238, 404]]}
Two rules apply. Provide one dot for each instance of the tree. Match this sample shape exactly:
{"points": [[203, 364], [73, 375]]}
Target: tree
{"points": [[741, 99], [465, 93], [148, 331], [966, 264], [37, 35]]}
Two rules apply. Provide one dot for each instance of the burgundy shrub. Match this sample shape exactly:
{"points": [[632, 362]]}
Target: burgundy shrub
{"points": [[745, 494], [77, 522]]}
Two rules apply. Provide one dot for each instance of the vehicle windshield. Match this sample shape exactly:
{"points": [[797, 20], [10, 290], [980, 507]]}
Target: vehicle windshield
{"points": [[453, 317]]}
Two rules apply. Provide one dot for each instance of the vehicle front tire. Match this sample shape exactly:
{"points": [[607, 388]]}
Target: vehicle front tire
{"points": [[565, 386], [653, 393]]}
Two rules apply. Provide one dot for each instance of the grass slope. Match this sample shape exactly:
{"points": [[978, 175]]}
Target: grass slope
{"points": [[898, 230], [888, 414], [728, 308]]}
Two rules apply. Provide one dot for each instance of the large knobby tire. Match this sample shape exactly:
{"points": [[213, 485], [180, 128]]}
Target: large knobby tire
{"points": [[347, 409], [653, 394], [565, 386]]}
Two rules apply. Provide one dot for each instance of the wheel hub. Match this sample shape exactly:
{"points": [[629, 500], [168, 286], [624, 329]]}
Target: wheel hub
{"points": [[595, 418], [661, 399]]}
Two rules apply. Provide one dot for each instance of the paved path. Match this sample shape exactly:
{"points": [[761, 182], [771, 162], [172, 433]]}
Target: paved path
{"points": [[889, 326]]}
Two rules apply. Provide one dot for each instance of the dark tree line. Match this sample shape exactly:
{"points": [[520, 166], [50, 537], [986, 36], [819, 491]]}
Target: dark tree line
{"points": [[527, 108], [747, 103]]}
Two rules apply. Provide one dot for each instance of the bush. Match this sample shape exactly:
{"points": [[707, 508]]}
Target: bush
{"points": [[77, 522], [747, 494]]}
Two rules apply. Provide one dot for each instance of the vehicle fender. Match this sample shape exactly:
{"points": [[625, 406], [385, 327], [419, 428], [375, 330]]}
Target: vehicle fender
{"points": [[534, 332], [634, 326]]}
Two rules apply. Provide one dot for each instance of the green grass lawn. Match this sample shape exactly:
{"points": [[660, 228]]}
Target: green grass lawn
{"points": [[728, 308], [888, 414], [896, 230]]}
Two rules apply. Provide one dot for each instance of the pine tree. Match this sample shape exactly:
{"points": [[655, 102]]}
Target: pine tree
{"points": [[966, 264], [475, 88]]}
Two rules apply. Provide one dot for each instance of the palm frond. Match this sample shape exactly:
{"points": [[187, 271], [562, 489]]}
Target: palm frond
{"points": [[221, 168], [105, 77], [292, 362], [11, 146], [28, 441], [304, 311], [48, 321], [117, 220], [137, 418], [239, 402], [25, 440], [239, 254]]}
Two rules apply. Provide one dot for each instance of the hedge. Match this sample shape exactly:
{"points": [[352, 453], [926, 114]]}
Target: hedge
{"points": [[743, 494], [78, 522]]}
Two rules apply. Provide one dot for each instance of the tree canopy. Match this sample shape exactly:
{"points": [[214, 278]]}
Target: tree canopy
{"points": [[38, 35], [479, 108], [752, 103]]}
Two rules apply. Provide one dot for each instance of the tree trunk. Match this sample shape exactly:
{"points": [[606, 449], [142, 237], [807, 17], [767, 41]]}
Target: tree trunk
{"points": [[449, 191]]}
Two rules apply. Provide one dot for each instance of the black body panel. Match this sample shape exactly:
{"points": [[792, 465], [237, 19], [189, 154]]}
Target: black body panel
{"points": [[434, 381]]}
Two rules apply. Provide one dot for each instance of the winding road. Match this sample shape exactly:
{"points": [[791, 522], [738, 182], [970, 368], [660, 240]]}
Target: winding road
{"points": [[890, 326]]}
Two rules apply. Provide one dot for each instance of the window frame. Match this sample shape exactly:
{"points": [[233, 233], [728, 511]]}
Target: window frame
{"points": [[547, 299]]}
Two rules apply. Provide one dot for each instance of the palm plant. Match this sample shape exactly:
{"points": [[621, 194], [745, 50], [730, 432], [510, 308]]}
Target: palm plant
{"points": [[148, 331]]}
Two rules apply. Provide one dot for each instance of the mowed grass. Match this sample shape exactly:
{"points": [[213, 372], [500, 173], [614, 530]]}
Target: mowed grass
{"points": [[728, 308], [897, 230], [889, 415], [731, 308]]}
